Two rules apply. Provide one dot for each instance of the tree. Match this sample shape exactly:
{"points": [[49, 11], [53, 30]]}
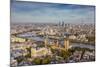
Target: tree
{"points": [[91, 38], [64, 54], [46, 60], [37, 61], [19, 59]]}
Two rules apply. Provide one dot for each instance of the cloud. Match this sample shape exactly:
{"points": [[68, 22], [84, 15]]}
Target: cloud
{"points": [[46, 12]]}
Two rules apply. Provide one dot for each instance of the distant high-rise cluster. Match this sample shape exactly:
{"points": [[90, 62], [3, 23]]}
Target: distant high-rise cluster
{"points": [[62, 24]]}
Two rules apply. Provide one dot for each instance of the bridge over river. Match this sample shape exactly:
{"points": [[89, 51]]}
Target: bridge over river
{"points": [[35, 37]]}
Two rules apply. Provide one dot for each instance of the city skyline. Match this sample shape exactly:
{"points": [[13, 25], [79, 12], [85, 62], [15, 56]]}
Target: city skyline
{"points": [[25, 12]]}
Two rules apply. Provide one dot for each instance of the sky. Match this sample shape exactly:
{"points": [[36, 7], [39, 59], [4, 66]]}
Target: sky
{"points": [[25, 12]]}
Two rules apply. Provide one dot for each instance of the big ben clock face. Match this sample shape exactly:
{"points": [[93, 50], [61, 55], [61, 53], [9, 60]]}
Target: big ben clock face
{"points": [[51, 33]]}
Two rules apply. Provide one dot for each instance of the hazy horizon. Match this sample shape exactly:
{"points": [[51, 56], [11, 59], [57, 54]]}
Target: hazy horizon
{"points": [[26, 12]]}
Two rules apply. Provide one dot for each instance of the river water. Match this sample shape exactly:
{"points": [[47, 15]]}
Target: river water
{"points": [[38, 38]]}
